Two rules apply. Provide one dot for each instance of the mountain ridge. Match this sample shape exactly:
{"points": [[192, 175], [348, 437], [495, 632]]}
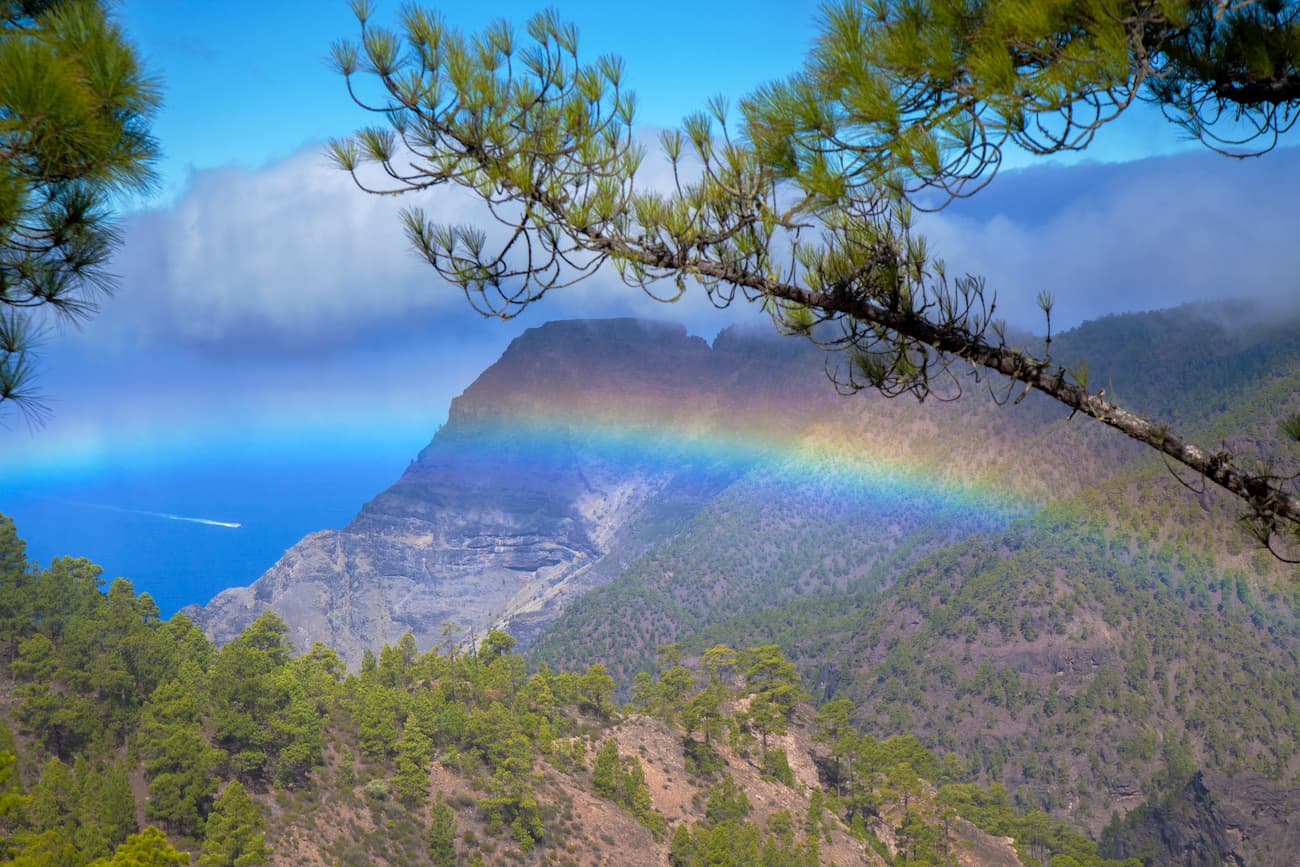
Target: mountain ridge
{"points": [[512, 506], [586, 428]]}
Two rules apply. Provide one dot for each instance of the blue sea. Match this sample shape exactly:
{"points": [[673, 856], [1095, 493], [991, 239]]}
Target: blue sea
{"points": [[112, 511]]}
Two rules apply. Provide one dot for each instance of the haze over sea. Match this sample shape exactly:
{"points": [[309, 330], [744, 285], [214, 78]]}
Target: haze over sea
{"points": [[277, 491]]}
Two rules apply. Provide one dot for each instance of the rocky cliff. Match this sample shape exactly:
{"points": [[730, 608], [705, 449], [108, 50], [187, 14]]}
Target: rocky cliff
{"points": [[583, 445], [1214, 820], [590, 443]]}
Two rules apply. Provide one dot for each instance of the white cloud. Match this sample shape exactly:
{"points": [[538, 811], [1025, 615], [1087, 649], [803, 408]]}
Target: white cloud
{"points": [[1139, 236], [291, 250], [293, 255]]}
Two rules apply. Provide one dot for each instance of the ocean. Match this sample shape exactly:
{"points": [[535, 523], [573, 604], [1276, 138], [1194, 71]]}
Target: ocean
{"points": [[160, 520]]}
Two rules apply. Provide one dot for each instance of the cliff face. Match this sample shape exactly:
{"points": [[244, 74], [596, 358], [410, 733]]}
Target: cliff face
{"points": [[590, 443], [1215, 819], [583, 445]]}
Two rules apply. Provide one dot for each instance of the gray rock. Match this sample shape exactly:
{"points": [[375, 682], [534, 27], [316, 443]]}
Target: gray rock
{"points": [[573, 453]]}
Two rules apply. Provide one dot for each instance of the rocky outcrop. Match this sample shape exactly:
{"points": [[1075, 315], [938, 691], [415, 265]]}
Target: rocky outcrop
{"points": [[1239, 819], [528, 496]]}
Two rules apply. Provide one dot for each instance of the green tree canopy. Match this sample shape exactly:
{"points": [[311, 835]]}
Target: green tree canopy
{"points": [[234, 834], [75, 105], [441, 837], [804, 198], [146, 849]]}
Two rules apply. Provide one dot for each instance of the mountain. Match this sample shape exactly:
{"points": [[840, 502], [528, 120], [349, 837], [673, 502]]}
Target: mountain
{"points": [[1033, 596], [584, 446], [590, 445], [592, 442]]}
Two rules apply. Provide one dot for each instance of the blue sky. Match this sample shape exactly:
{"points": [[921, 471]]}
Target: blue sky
{"points": [[265, 302], [248, 84]]}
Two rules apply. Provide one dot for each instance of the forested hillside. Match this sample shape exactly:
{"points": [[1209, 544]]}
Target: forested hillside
{"points": [[1115, 639], [1088, 669], [819, 526], [125, 739]]}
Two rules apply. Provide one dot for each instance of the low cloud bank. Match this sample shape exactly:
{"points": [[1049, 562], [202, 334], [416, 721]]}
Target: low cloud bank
{"points": [[284, 296], [292, 257], [1143, 235]]}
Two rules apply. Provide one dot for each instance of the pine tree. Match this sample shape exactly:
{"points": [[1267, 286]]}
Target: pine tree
{"points": [[442, 836], [52, 804], [774, 684], [899, 106], [605, 771], [118, 812], [248, 699], [834, 728], [704, 713], [76, 104], [296, 736], [149, 848], [411, 766], [88, 834], [12, 800], [16, 580], [177, 757], [596, 690], [681, 851], [235, 835], [375, 710], [47, 847]]}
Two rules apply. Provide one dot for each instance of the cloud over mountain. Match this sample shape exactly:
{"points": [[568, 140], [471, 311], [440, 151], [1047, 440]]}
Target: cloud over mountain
{"points": [[293, 255], [1142, 235]]}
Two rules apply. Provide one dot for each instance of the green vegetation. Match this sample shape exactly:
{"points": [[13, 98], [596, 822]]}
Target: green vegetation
{"points": [[622, 780], [830, 539], [234, 835], [797, 533], [1089, 657], [235, 744], [74, 111], [726, 839], [869, 782], [1038, 839], [1064, 659]]}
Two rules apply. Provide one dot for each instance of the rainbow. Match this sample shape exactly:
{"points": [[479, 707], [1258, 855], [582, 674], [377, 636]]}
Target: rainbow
{"points": [[814, 461], [810, 441]]}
